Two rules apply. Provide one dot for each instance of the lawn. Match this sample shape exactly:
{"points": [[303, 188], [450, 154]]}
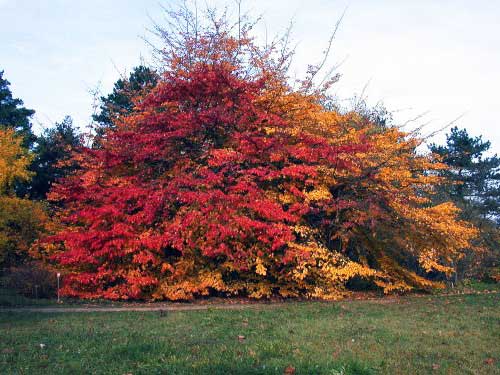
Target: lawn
{"points": [[434, 334]]}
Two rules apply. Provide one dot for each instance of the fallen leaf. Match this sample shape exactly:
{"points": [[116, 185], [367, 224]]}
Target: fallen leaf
{"points": [[195, 350], [336, 354], [289, 370]]}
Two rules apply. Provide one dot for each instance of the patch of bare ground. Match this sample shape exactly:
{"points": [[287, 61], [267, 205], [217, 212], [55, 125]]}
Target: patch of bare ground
{"points": [[218, 303]]}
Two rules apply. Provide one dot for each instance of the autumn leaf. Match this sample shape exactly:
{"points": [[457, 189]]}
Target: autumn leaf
{"points": [[227, 180]]}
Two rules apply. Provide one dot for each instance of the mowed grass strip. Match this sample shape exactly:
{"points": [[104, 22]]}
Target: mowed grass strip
{"points": [[435, 334]]}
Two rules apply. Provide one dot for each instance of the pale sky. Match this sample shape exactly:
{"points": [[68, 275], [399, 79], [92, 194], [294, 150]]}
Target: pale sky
{"points": [[435, 56]]}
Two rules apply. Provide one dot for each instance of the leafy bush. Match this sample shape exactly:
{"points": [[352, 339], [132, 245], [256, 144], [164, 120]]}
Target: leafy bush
{"points": [[32, 280]]}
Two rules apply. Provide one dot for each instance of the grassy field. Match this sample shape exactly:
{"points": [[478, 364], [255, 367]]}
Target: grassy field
{"points": [[413, 335]]}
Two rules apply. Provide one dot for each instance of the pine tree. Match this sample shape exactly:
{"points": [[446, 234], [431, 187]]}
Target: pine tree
{"points": [[120, 101], [473, 178], [472, 182], [14, 115], [53, 148]]}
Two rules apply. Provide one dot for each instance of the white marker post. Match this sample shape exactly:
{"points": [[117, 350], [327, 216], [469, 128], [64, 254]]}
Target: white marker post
{"points": [[58, 278]]}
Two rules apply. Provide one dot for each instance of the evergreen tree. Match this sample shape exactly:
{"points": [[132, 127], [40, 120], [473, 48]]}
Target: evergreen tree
{"points": [[120, 100], [53, 148], [474, 178], [14, 115], [473, 184]]}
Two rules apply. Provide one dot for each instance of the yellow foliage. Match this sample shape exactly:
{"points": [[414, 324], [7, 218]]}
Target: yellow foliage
{"points": [[14, 161], [320, 193], [260, 269], [362, 211], [21, 220], [388, 184], [185, 288]]}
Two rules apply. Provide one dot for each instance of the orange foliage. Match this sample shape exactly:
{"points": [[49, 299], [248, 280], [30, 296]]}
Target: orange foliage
{"points": [[225, 179]]}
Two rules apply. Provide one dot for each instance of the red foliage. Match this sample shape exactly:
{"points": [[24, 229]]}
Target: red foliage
{"points": [[225, 178], [190, 171]]}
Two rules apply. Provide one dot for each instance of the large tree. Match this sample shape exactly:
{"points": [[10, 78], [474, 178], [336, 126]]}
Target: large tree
{"points": [[14, 115], [226, 179]]}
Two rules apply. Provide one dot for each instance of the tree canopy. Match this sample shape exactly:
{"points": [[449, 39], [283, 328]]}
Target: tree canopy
{"points": [[225, 178]]}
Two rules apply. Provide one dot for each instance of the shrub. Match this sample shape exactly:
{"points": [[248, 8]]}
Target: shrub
{"points": [[32, 279]]}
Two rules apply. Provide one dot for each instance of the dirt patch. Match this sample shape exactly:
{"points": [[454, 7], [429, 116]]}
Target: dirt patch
{"points": [[224, 304]]}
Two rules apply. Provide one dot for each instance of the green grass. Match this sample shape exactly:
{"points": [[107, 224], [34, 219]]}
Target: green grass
{"points": [[416, 335]]}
